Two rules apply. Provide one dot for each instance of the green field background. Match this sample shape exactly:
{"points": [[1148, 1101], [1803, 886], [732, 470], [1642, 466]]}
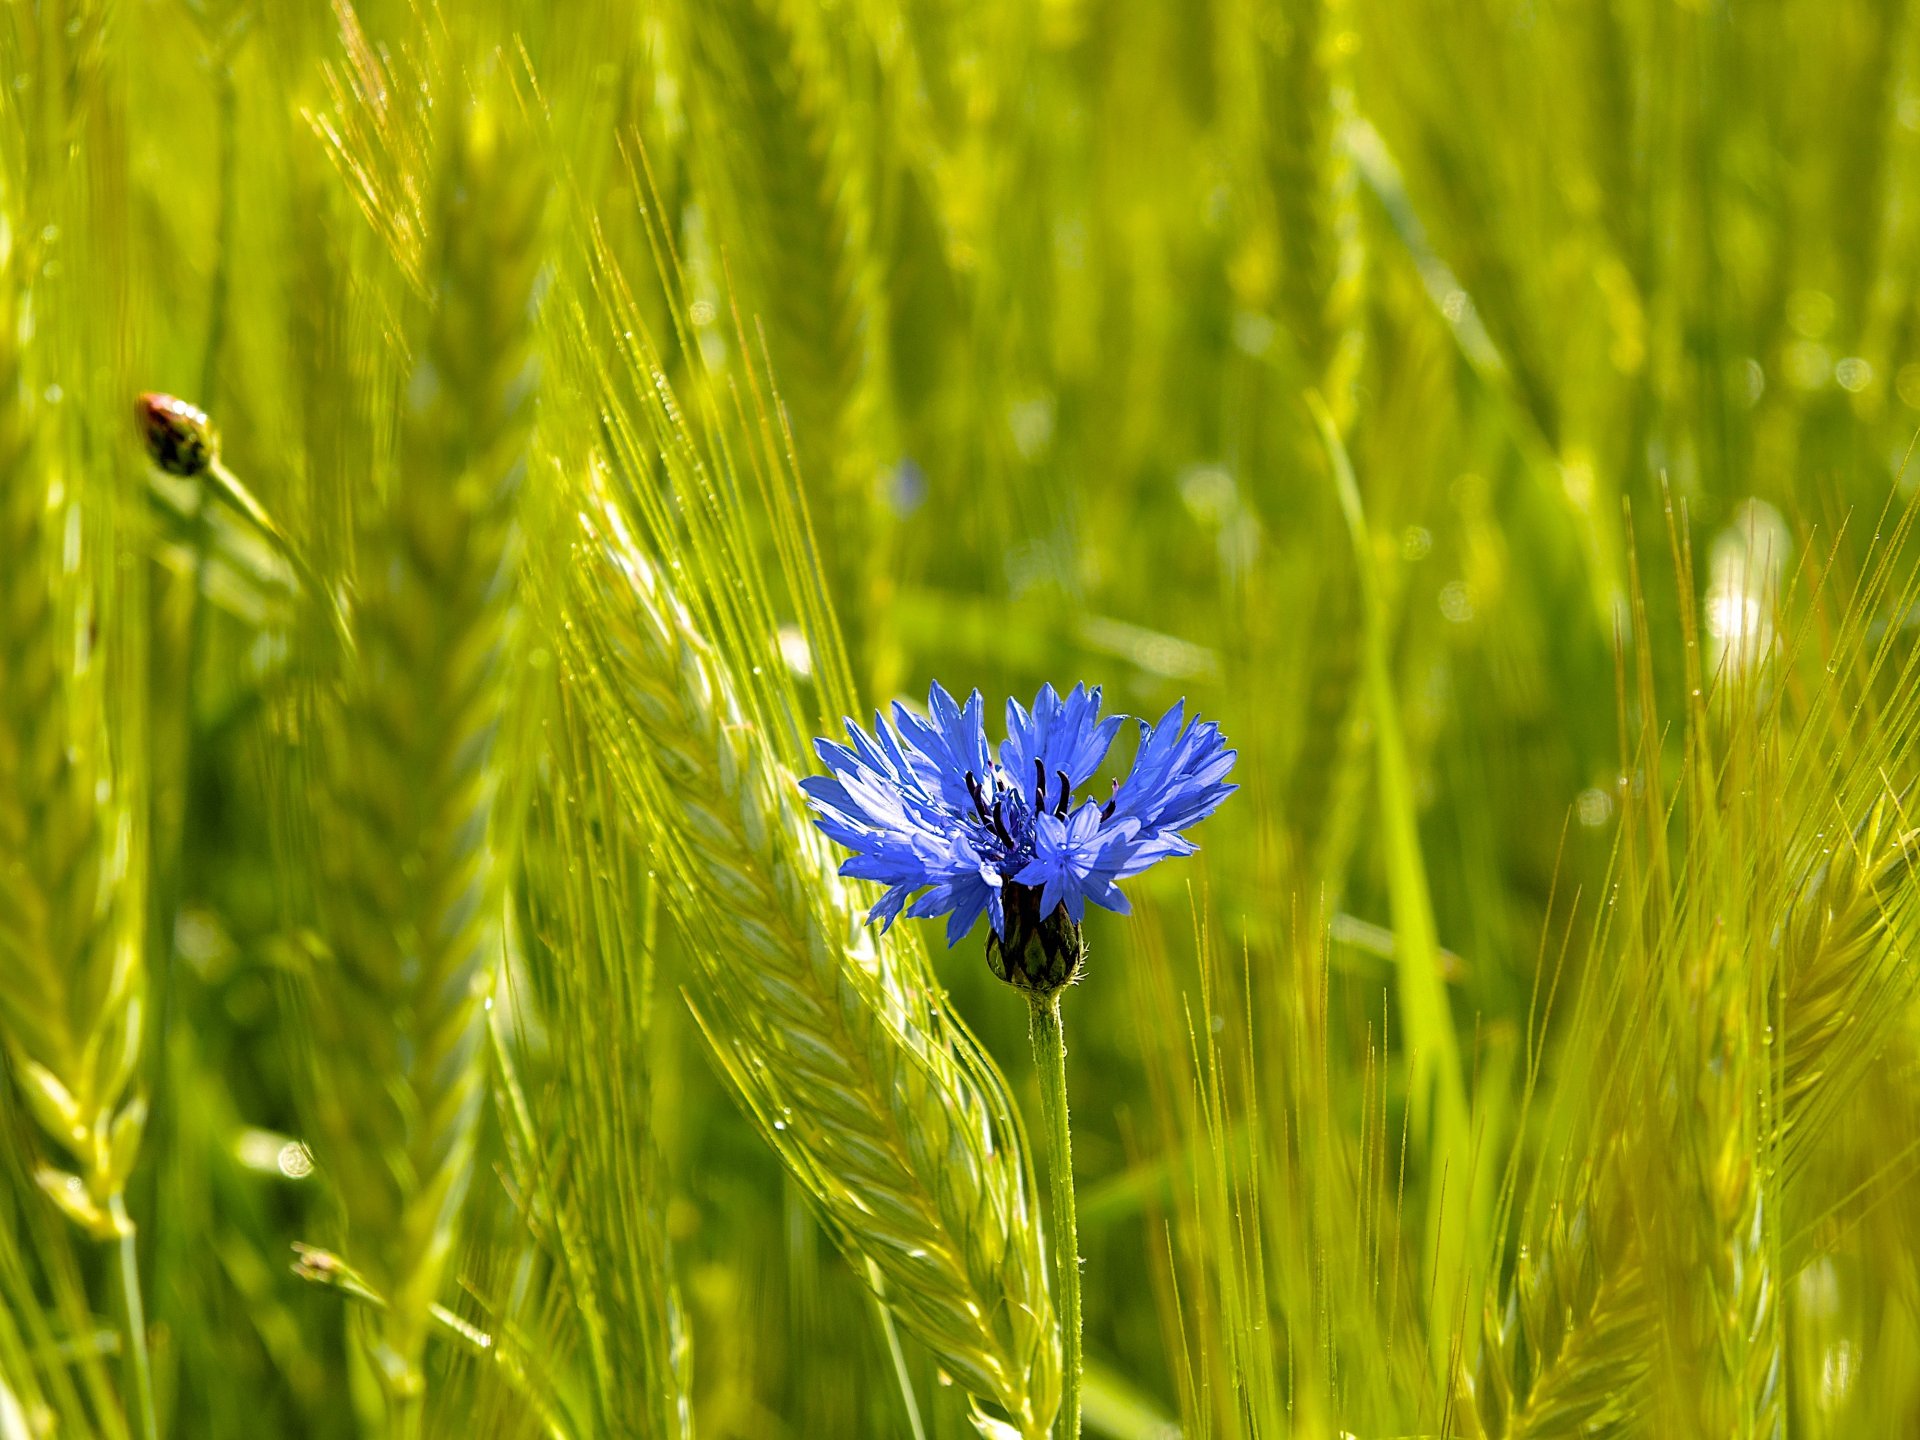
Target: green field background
{"points": [[1495, 414]]}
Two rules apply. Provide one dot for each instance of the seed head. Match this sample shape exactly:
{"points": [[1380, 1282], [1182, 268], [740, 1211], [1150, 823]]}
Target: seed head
{"points": [[180, 438]]}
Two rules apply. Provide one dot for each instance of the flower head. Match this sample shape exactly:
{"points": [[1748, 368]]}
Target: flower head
{"points": [[929, 813]]}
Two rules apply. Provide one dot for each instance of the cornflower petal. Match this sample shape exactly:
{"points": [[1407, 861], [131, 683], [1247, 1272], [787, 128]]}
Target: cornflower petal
{"points": [[1178, 776], [929, 816], [1065, 736], [887, 907], [1075, 860], [943, 751]]}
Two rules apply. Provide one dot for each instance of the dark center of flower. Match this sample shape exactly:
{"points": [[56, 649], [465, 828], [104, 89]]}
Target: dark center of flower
{"points": [[990, 817], [1040, 789]]}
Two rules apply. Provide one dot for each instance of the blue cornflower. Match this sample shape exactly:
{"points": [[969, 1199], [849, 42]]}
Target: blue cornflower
{"points": [[927, 809]]}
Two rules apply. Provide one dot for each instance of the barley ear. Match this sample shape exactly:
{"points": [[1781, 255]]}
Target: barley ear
{"points": [[898, 1130], [590, 924], [410, 833], [779, 135], [72, 847], [70, 880], [73, 700]]}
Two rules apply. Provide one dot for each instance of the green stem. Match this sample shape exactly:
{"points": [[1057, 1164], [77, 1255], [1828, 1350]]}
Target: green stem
{"points": [[139, 1370], [170, 847], [888, 1329], [402, 1385], [1050, 1061], [227, 96]]}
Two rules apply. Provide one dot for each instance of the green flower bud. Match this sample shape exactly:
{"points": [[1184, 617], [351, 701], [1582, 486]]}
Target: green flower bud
{"points": [[1038, 954]]}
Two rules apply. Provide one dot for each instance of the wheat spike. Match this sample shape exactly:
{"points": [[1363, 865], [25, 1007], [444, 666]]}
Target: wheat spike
{"points": [[590, 950], [1758, 1004], [1683, 1232], [893, 1123], [1847, 972], [70, 977], [1305, 51], [1287, 67], [1567, 1353], [74, 783], [71, 847], [1714, 1221], [779, 148], [410, 832]]}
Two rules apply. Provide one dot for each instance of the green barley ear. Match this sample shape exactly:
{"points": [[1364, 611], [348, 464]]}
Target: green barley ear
{"points": [[70, 886], [1848, 971], [778, 132], [1565, 1349], [1751, 964], [899, 1131], [591, 914], [1288, 76], [73, 843], [411, 840], [71, 847]]}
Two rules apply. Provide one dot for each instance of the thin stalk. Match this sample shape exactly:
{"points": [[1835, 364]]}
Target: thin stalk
{"points": [[230, 488], [898, 1356], [170, 861], [139, 1369], [217, 296], [1050, 1062], [406, 1413], [170, 854]]}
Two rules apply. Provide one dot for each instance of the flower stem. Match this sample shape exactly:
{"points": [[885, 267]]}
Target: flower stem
{"points": [[1050, 1061], [139, 1371]]}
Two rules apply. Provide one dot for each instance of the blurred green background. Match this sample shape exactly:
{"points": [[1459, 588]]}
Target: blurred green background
{"points": [[1050, 290]]}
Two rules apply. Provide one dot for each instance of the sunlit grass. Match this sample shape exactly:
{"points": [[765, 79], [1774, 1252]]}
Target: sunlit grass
{"points": [[1495, 416]]}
